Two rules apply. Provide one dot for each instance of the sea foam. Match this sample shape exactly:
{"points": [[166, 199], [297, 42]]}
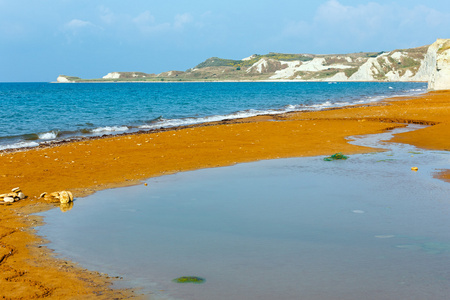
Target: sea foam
{"points": [[48, 135]]}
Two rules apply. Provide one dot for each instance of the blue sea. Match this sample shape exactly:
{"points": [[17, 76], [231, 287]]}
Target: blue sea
{"points": [[36, 113]]}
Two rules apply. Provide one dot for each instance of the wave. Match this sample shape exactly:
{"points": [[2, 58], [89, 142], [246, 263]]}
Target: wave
{"points": [[19, 145], [110, 129], [49, 135]]}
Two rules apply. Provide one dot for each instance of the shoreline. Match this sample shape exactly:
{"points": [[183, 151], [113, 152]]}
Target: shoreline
{"points": [[29, 270], [59, 133], [225, 81]]}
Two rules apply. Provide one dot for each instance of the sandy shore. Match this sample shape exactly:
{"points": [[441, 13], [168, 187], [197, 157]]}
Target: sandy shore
{"points": [[29, 271]]}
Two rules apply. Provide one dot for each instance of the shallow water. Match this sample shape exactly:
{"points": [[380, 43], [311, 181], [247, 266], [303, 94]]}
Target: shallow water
{"points": [[301, 228]]}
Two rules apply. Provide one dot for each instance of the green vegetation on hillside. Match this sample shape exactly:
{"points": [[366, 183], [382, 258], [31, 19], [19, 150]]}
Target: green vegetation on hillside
{"points": [[218, 62], [221, 62]]}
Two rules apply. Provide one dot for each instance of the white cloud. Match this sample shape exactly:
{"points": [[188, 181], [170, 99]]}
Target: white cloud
{"points": [[377, 23], [148, 25], [77, 24], [106, 15], [144, 19], [77, 30], [182, 20]]}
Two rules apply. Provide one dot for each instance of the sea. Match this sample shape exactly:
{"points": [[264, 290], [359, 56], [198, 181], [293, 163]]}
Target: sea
{"points": [[39, 113]]}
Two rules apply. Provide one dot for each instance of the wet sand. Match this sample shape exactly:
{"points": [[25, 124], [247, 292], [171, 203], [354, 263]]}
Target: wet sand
{"points": [[83, 167]]}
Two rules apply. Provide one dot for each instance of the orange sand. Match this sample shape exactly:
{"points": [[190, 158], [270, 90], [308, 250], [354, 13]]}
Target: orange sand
{"points": [[28, 271]]}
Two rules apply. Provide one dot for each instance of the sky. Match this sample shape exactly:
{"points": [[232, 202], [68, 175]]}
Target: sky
{"points": [[40, 40]]}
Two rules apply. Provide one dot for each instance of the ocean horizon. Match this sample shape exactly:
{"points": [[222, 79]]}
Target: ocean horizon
{"points": [[41, 112]]}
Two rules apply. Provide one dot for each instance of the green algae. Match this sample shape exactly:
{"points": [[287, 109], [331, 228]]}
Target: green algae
{"points": [[386, 160], [335, 156], [189, 279]]}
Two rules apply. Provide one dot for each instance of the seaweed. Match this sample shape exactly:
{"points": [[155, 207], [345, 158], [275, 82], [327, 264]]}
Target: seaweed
{"points": [[335, 156], [189, 279]]}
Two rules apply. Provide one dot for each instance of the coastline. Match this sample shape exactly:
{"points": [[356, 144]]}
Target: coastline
{"points": [[222, 81], [89, 165]]}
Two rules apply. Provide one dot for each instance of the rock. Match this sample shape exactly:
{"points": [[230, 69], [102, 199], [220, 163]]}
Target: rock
{"points": [[21, 195], [8, 199], [440, 62], [51, 199], [64, 197], [61, 197], [54, 195], [16, 190]]}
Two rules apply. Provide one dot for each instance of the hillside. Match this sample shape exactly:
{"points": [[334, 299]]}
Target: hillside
{"points": [[415, 64]]}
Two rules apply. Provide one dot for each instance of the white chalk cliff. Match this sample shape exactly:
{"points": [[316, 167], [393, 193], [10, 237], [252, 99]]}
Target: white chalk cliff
{"points": [[427, 63], [63, 79], [439, 62]]}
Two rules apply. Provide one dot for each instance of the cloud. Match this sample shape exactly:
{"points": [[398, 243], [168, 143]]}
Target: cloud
{"points": [[144, 18], [370, 24], [106, 15], [77, 30], [77, 24], [146, 23], [182, 20]]}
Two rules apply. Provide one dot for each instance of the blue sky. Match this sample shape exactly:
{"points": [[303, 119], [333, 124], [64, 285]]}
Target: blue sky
{"points": [[41, 39]]}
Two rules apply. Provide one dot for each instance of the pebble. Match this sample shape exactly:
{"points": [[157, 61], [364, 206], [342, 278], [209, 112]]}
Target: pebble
{"points": [[8, 199]]}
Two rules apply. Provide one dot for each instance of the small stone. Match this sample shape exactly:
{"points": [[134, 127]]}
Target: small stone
{"points": [[8, 199], [21, 195], [43, 194], [16, 190]]}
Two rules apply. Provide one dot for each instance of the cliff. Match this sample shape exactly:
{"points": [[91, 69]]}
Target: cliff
{"points": [[439, 61], [427, 63]]}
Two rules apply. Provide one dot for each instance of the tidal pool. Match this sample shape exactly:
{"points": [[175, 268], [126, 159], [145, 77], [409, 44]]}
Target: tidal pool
{"points": [[364, 228]]}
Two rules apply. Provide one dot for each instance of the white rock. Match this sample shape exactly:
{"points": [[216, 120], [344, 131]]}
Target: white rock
{"points": [[112, 75], [8, 199], [440, 77], [63, 79]]}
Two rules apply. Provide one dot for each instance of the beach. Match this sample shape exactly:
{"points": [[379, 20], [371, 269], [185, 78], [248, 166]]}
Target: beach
{"points": [[93, 164]]}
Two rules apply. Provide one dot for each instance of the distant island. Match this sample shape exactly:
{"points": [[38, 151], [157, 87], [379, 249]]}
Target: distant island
{"points": [[414, 64]]}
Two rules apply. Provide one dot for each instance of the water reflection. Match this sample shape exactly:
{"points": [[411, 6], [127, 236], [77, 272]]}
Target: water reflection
{"points": [[64, 207]]}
